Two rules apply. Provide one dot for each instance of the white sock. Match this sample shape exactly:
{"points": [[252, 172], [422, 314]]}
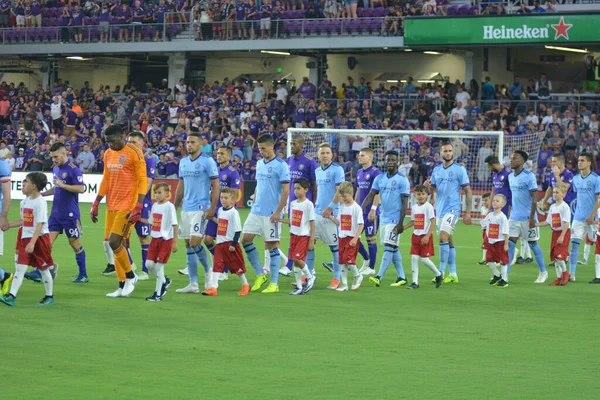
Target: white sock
{"points": [[151, 267], [415, 268], [353, 269], [48, 281], [494, 268], [243, 279], [504, 272], [306, 272], [110, 256], [598, 266], [18, 279], [298, 275], [345, 275], [267, 258], [283, 256], [562, 265], [586, 251], [159, 270], [429, 264], [484, 254], [16, 257]]}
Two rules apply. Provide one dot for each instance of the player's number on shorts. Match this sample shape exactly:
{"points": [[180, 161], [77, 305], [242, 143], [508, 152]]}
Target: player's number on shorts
{"points": [[393, 236], [370, 230], [532, 234], [196, 227], [74, 232], [145, 231]]}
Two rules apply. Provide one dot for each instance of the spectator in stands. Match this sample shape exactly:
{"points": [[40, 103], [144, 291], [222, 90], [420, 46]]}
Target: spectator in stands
{"points": [[543, 87], [85, 160], [537, 8], [550, 7], [123, 17], [19, 13], [76, 22], [138, 16], [488, 91], [307, 90], [523, 10], [5, 12], [36, 13], [227, 16]]}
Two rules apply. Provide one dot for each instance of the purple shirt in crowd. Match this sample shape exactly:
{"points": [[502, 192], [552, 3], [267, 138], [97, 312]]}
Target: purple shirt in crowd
{"points": [[308, 90]]}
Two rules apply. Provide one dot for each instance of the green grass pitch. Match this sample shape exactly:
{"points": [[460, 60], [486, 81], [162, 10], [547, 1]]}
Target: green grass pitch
{"points": [[462, 341]]}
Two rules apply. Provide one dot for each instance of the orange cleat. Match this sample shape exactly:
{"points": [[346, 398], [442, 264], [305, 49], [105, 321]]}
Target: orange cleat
{"points": [[210, 292], [556, 282], [564, 279], [303, 279], [245, 290], [334, 284]]}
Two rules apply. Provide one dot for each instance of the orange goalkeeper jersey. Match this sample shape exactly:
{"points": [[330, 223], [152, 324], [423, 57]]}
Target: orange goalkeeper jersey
{"points": [[124, 178]]}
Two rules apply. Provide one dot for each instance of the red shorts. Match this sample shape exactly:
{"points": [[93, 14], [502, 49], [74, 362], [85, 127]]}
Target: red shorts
{"points": [[588, 240], [42, 253], [419, 249], [234, 260], [299, 247], [560, 251], [485, 243], [496, 253], [18, 244], [160, 250], [348, 253], [597, 243]]}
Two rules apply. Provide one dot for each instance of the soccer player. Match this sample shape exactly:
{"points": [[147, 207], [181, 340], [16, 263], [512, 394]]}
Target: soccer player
{"points": [[351, 225], [34, 242], [142, 229], [272, 191], [302, 235], [364, 182], [68, 183], [199, 189], [329, 175], [228, 178], [497, 231], [586, 185], [125, 186], [447, 179], [559, 218], [301, 166], [484, 211], [394, 189], [422, 217], [5, 174], [228, 252], [163, 220], [523, 187]]}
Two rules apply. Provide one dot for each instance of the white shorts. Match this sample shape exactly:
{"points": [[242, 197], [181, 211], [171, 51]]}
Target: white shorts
{"points": [[265, 23], [446, 223], [20, 20], [521, 230], [326, 231], [388, 236], [579, 230], [261, 226], [192, 223]]}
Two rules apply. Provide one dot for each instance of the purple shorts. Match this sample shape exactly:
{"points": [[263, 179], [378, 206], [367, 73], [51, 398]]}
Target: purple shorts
{"points": [[371, 227], [211, 229], [71, 226], [141, 228]]}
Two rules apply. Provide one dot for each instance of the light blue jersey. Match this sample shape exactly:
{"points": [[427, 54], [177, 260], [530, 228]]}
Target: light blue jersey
{"points": [[327, 181], [270, 175], [5, 173], [521, 185], [448, 182], [586, 190], [196, 175], [391, 189]]}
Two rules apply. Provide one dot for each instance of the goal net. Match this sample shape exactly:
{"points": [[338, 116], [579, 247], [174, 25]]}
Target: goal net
{"points": [[419, 151]]}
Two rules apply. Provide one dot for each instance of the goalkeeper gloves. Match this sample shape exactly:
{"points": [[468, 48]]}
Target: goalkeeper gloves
{"points": [[94, 211], [136, 214]]}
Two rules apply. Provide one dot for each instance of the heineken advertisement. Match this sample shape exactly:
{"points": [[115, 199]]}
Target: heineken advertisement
{"points": [[541, 28]]}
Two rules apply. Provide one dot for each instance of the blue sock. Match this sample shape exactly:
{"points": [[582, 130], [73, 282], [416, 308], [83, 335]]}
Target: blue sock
{"points": [[388, 256], [363, 251], [511, 252], [192, 264], [211, 248], [202, 257], [452, 259], [337, 270], [2, 273], [574, 255], [80, 259], [372, 254], [253, 257], [539, 257], [444, 254], [145, 248], [310, 261], [274, 265], [397, 260]]}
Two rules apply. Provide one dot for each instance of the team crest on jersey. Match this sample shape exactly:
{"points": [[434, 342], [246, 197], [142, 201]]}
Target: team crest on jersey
{"points": [[64, 175], [224, 177], [327, 174], [197, 166], [301, 167], [450, 174], [270, 170], [502, 178], [367, 177], [122, 159], [393, 183], [80, 179], [589, 183]]}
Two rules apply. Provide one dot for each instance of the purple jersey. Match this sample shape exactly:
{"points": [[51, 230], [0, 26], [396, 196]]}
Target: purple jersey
{"points": [[500, 182], [302, 167], [150, 173], [229, 177], [66, 204], [567, 177], [364, 182]]}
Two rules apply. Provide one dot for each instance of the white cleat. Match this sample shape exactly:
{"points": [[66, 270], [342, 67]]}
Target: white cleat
{"points": [[115, 294], [183, 271], [367, 271], [143, 276], [542, 277], [342, 288], [582, 262], [572, 278], [191, 288], [364, 268], [357, 281], [285, 271], [129, 286]]}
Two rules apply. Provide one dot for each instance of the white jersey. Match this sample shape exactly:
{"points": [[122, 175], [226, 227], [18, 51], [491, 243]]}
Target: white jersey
{"points": [[301, 213], [34, 212], [484, 212], [162, 219], [229, 224], [350, 218], [421, 215], [497, 227], [558, 215]]}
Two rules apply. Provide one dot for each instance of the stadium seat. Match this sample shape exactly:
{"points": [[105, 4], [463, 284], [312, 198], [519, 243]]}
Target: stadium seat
{"points": [[287, 14], [310, 27], [298, 14], [452, 10], [474, 10], [380, 12], [367, 12], [464, 10]]}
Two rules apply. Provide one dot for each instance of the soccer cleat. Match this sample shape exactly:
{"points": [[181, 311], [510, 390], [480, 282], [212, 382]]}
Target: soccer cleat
{"points": [[34, 275], [266, 270], [434, 280], [551, 265], [527, 261], [165, 286], [5, 288], [46, 301], [582, 262], [572, 278], [482, 262], [154, 297], [451, 279], [272, 288], [502, 284], [259, 281], [245, 290], [328, 266], [9, 300], [413, 286], [341, 288], [81, 279], [494, 281], [115, 294], [556, 282], [129, 285], [191, 288], [142, 276], [595, 280], [564, 279], [54, 271], [375, 281], [399, 282], [542, 277], [438, 281], [285, 271], [297, 292], [367, 271], [357, 281], [109, 270], [310, 284], [333, 284], [133, 267], [211, 291], [365, 267], [520, 260], [183, 271]]}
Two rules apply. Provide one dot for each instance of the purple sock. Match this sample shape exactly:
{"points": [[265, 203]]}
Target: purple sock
{"points": [[372, 254], [80, 258], [145, 248], [363, 252], [290, 263]]}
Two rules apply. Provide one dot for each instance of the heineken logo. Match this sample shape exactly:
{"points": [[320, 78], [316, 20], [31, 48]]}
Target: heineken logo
{"points": [[491, 32]]}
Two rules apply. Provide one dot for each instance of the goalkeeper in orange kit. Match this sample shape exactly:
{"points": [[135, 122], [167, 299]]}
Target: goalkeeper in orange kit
{"points": [[124, 184]]}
